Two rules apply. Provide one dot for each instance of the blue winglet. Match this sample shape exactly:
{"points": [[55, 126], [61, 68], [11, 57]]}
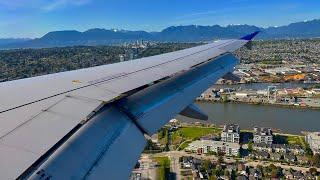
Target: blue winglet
{"points": [[250, 36]]}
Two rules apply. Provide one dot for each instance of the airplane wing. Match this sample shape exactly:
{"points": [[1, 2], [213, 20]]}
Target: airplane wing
{"points": [[90, 123]]}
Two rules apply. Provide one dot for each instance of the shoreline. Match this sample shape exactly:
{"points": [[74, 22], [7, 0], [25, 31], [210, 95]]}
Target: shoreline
{"points": [[259, 104], [276, 131]]}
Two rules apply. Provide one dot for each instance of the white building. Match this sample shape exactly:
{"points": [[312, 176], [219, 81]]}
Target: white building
{"points": [[206, 146], [231, 133], [262, 135], [313, 140], [281, 70]]}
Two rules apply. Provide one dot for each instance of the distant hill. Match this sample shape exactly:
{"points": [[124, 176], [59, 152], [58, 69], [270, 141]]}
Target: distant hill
{"points": [[13, 40], [307, 29], [191, 33]]}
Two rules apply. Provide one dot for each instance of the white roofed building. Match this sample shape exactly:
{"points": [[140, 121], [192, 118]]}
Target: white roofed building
{"points": [[313, 140], [206, 146]]}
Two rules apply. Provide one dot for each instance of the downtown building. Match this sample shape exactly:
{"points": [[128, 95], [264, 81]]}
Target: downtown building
{"points": [[231, 133], [262, 135]]}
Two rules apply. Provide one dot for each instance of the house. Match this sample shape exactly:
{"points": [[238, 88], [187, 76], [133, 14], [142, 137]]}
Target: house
{"points": [[242, 177], [252, 171], [302, 159], [186, 161], [298, 175], [262, 135], [275, 156], [296, 149], [262, 147], [289, 157], [241, 167], [280, 148], [262, 155], [231, 166], [287, 174]]}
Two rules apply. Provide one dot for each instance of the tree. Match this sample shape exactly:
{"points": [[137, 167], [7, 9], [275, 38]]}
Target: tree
{"points": [[250, 146], [308, 151], [219, 172], [220, 160], [224, 98], [247, 170], [239, 153], [233, 174], [274, 173], [261, 170], [213, 172], [313, 171], [227, 173], [150, 146], [316, 160], [206, 165]]}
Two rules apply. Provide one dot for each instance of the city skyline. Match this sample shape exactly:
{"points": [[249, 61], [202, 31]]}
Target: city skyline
{"points": [[31, 19]]}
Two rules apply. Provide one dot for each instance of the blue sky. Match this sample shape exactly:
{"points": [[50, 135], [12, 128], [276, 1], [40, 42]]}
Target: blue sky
{"points": [[34, 18]]}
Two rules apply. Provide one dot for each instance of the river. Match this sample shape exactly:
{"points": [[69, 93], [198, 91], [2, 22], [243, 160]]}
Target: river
{"points": [[288, 120], [261, 86]]}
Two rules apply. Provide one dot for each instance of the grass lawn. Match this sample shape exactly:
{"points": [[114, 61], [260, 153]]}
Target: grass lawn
{"points": [[295, 140], [185, 135], [191, 133], [184, 145], [163, 171]]}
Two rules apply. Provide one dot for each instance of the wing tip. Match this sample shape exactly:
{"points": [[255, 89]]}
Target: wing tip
{"points": [[249, 37]]}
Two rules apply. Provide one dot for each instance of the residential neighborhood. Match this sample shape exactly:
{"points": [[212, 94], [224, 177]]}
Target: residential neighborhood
{"points": [[227, 152]]}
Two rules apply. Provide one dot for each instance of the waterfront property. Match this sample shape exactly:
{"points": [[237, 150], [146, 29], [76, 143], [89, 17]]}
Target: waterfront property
{"points": [[231, 133], [313, 140], [207, 146], [262, 135], [279, 148]]}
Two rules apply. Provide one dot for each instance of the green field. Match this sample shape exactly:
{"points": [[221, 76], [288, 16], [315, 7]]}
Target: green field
{"points": [[294, 140], [184, 145], [195, 132], [185, 135], [163, 170]]}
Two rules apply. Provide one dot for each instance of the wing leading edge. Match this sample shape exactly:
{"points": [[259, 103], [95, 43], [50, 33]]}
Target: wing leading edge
{"points": [[56, 114]]}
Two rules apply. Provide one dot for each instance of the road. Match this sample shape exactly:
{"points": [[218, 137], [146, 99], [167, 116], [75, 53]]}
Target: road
{"points": [[175, 166], [147, 167]]}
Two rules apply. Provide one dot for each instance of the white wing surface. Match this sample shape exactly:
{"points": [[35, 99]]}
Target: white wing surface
{"points": [[69, 125]]}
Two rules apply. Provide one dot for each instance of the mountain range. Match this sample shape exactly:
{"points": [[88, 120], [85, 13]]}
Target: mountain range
{"points": [[191, 33]]}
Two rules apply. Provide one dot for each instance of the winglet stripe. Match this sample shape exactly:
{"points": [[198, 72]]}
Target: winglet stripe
{"points": [[249, 37]]}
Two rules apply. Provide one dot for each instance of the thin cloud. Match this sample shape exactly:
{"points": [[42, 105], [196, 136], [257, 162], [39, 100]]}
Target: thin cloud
{"points": [[197, 14], [40, 4], [63, 3], [207, 15]]}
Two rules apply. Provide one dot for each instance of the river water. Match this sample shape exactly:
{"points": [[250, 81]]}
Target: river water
{"points": [[288, 120], [261, 86]]}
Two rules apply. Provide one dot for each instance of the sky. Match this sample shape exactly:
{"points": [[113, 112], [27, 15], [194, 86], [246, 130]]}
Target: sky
{"points": [[34, 18]]}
